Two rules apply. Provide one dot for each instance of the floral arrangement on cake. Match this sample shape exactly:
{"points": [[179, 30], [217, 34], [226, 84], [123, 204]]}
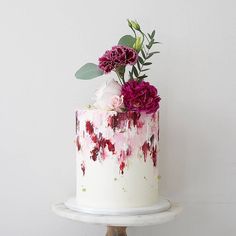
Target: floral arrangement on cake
{"points": [[129, 91]]}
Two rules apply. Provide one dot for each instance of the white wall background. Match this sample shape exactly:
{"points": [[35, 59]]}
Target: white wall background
{"points": [[42, 43]]}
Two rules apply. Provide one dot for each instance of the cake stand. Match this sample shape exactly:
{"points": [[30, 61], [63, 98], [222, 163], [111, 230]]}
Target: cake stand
{"points": [[117, 224]]}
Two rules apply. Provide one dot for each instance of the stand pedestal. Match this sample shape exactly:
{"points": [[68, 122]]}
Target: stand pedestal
{"points": [[116, 224], [116, 231]]}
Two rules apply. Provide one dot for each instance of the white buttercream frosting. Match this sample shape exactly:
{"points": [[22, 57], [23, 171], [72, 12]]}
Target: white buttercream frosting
{"points": [[117, 159]]}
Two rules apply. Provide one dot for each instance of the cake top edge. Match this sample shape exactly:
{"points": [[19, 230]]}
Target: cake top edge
{"points": [[94, 110]]}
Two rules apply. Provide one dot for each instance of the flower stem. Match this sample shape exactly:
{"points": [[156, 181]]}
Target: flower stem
{"points": [[121, 79], [134, 33]]}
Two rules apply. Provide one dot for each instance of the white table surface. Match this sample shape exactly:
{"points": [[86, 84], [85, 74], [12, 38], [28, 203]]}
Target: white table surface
{"points": [[137, 220]]}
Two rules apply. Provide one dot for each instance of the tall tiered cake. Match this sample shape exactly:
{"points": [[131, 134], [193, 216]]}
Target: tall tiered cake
{"points": [[117, 137]]}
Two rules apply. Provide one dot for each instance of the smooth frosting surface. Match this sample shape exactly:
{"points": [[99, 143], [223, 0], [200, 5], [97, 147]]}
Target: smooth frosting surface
{"points": [[117, 159]]}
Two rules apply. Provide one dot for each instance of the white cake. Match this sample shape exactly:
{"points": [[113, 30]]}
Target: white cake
{"points": [[117, 159]]}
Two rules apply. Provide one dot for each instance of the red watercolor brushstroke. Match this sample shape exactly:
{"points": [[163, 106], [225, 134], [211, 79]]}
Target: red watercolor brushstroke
{"points": [[145, 149], [78, 144], [77, 123], [124, 154], [129, 151], [110, 146], [120, 120], [94, 153], [133, 116], [122, 166], [83, 168], [149, 146], [89, 127], [100, 142], [154, 155]]}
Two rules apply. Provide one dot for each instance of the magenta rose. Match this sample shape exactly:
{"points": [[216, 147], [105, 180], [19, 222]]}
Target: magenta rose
{"points": [[140, 96], [116, 57]]}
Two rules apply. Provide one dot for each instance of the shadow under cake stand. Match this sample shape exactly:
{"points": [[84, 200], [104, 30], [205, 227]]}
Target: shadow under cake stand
{"points": [[117, 222]]}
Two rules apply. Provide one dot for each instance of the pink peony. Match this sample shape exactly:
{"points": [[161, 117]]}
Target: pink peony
{"points": [[116, 57], [140, 96]]}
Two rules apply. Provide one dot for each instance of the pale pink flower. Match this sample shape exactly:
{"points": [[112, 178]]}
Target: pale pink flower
{"points": [[109, 97], [117, 103]]}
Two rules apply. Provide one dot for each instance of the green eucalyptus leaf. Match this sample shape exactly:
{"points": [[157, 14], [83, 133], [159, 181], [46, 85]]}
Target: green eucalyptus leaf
{"points": [[142, 77], [127, 40], [151, 54], [143, 54], [153, 34], [135, 71], [155, 52], [151, 43], [138, 64], [88, 71], [140, 59], [145, 70], [131, 74], [147, 63]]}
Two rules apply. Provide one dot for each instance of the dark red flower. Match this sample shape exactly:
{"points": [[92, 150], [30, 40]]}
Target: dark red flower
{"points": [[116, 57], [140, 96]]}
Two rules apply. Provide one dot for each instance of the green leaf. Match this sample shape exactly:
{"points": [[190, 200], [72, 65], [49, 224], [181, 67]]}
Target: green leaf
{"points": [[148, 46], [145, 70], [147, 63], [153, 34], [149, 36], [88, 71], [151, 54], [151, 42], [135, 71], [143, 54], [155, 52], [142, 77], [138, 64], [127, 40], [130, 74], [140, 59]]}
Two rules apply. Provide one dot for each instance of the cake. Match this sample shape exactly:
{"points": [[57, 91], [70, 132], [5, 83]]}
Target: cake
{"points": [[116, 156], [117, 137]]}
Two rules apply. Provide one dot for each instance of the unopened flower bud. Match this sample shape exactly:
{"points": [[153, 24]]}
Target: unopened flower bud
{"points": [[138, 44], [135, 25], [129, 23]]}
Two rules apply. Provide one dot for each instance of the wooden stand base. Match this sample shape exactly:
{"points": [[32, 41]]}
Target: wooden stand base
{"points": [[116, 231]]}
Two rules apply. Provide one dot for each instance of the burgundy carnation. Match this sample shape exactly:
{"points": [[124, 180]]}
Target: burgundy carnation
{"points": [[116, 57], [140, 96]]}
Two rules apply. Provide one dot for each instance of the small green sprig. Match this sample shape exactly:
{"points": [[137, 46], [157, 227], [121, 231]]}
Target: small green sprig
{"points": [[144, 45]]}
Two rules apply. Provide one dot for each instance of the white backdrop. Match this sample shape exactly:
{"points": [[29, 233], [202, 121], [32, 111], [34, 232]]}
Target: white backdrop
{"points": [[42, 43]]}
